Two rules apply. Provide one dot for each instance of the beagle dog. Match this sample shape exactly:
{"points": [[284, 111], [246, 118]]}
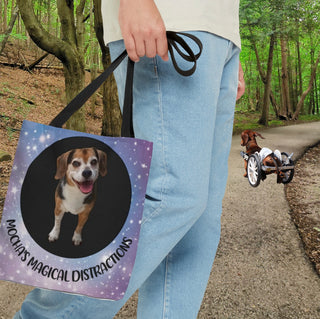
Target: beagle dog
{"points": [[77, 170]]}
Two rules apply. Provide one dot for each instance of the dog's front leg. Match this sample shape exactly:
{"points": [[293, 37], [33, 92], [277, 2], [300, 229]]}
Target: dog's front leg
{"points": [[54, 234], [245, 167], [82, 219]]}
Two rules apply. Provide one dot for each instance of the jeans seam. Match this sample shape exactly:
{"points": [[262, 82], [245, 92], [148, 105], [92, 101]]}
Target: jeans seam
{"points": [[162, 187], [166, 294], [73, 307], [232, 50]]}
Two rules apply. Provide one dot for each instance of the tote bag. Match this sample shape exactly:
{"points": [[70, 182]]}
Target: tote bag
{"points": [[74, 204]]}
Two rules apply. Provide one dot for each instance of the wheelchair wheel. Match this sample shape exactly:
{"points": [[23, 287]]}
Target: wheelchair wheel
{"points": [[254, 170], [286, 161]]}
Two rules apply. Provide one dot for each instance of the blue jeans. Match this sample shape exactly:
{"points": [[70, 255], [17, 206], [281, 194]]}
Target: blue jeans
{"points": [[189, 120]]}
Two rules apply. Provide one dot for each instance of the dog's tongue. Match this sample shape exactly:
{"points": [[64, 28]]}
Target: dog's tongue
{"points": [[86, 187]]}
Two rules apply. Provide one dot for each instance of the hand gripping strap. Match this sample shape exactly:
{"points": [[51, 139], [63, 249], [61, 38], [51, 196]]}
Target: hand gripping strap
{"points": [[174, 39]]}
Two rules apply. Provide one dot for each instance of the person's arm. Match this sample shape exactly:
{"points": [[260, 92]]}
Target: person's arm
{"points": [[241, 83], [143, 29]]}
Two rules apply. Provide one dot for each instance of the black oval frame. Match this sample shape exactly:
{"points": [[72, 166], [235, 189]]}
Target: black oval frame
{"points": [[106, 218]]}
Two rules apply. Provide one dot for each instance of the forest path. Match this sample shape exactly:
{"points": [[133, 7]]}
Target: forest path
{"points": [[261, 270]]}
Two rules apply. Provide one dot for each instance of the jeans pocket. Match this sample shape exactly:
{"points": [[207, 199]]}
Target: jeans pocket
{"points": [[153, 199], [151, 206]]}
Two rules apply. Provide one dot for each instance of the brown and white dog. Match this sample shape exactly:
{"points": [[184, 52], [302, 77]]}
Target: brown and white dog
{"points": [[77, 170], [248, 139]]}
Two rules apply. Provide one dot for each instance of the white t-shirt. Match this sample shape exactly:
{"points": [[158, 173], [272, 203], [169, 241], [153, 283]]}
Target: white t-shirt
{"points": [[220, 17]]}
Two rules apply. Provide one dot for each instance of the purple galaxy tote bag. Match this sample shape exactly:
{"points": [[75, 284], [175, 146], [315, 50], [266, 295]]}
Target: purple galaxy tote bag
{"points": [[74, 204]]}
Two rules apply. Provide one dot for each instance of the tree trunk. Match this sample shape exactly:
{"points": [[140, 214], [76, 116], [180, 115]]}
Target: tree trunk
{"points": [[305, 93], [266, 98], [9, 29], [316, 94], [48, 15], [111, 123], [292, 92], [5, 9], [74, 69], [311, 100], [299, 69], [1, 18], [74, 82], [286, 109], [112, 118], [274, 104], [263, 76], [65, 49], [94, 59], [258, 98]]}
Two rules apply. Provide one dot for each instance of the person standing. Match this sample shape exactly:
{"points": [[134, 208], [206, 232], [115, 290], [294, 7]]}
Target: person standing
{"points": [[189, 120]]}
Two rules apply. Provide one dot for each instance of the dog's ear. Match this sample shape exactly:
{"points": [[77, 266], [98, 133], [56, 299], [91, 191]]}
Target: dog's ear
{"points": [[62, 165], [102, 163], [258, 134], [244, 138]]}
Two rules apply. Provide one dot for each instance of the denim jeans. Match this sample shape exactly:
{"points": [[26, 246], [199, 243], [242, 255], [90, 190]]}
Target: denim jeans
{"points": [[189, 120]]}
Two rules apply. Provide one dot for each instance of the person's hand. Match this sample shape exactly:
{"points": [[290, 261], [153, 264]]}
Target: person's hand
{"points": [[143, 29], [241, 83]]}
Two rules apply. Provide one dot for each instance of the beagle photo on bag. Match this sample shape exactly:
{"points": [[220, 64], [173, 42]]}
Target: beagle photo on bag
{"points": [[78, 171]]}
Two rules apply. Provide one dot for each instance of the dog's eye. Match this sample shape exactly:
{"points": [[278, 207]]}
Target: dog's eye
{"points": [[94, 162], [76, 164]]}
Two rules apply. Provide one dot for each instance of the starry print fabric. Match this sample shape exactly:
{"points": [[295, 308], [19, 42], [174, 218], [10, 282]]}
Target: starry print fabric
{"points": [[100, 267]]}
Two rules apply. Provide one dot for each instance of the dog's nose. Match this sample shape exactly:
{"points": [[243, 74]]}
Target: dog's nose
{"points": [[87, 173]]}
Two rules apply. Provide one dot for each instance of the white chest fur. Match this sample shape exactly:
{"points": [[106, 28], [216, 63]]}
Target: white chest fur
{"points": [[73, 199]]}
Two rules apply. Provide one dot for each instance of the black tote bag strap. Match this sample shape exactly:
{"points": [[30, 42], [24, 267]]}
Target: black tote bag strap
{"points": [[174, 39], [86, 93], [127, 120]]}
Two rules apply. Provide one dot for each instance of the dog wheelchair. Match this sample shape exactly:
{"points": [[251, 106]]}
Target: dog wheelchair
{"points": [[257, 171]]}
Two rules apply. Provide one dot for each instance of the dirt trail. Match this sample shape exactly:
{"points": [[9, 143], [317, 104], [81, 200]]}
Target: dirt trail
{"points": [[261, 270]]}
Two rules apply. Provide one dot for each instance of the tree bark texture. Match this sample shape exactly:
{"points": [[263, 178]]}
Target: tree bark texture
{"points": [[305, 93], [263, 77], [112, 118], [266, 98], [311, 98], [286, 109], [65, 49], [9, 29]]}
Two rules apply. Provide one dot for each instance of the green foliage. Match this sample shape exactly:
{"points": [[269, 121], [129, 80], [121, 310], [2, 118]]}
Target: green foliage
{"points": [[18, 36], [249, 120], [297, 21], [47, 13], [310, 117], [14, 35]]}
